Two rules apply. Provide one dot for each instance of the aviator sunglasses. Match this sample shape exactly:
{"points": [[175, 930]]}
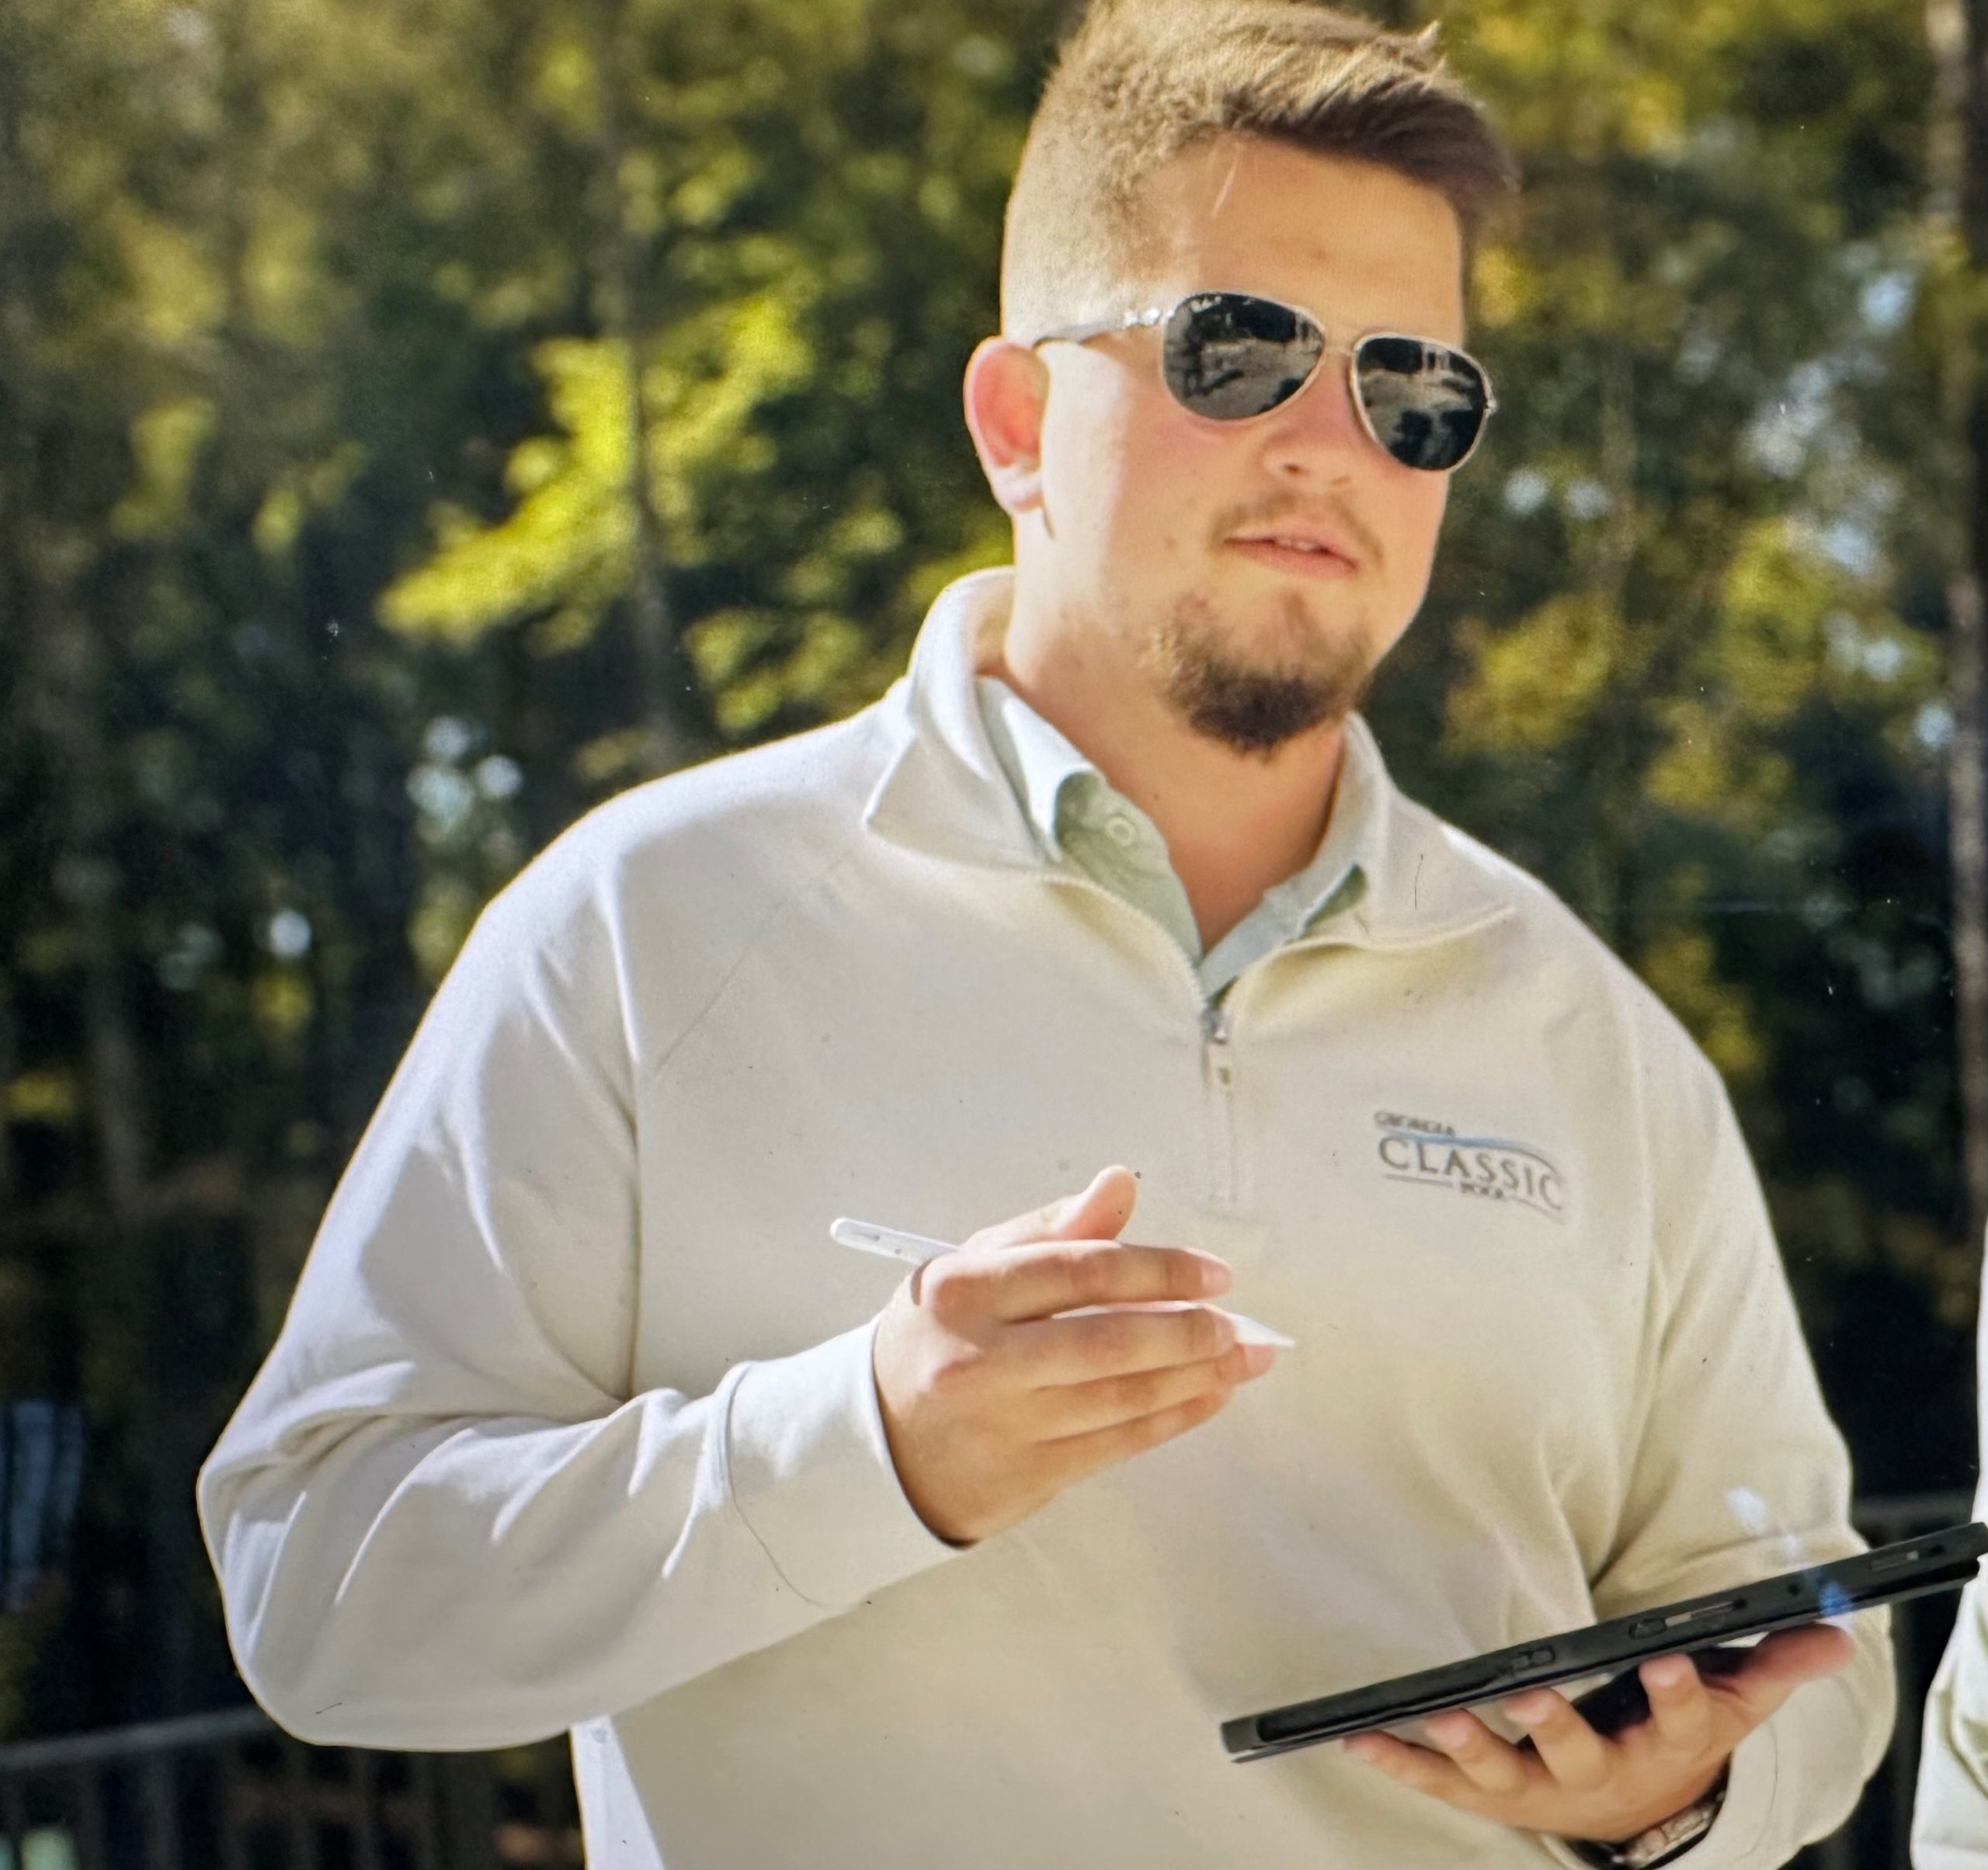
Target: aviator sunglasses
{"points": [[1231, 356]]}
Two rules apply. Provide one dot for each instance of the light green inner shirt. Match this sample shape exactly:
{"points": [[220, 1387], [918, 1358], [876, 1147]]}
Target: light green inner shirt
{"points": [[1084, 824]]}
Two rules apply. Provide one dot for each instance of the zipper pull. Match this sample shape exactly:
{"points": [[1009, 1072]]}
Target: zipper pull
{"points": [[1214, 1027]]}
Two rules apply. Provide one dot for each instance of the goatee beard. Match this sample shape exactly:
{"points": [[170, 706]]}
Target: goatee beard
{"points": [[1251, 707]]}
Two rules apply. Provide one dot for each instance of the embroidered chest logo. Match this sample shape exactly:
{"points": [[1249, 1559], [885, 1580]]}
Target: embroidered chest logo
{"points": [[1481, 1168]]}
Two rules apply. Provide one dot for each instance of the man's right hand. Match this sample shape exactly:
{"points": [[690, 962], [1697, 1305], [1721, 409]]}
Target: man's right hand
{"points": [[993, 1404]]}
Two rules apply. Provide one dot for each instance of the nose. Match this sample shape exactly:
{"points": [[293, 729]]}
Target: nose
{"points": [[1318, 437]]}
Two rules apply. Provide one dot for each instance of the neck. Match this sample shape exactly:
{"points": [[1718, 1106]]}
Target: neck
{"points": [[1236, 824]]}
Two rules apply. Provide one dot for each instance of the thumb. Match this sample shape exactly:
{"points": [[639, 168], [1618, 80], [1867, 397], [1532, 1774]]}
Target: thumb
{"points": [[1100, 1213], [1097, 1214], [1781, 1664]]}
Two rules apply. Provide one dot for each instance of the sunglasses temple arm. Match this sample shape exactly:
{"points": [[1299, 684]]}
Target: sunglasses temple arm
{"points": [[1080, 334]]}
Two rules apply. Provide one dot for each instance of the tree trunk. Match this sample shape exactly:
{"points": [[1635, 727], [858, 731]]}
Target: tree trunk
{"points": [[623, 263], [1967, 781], [1958, 32], [62, 677]]}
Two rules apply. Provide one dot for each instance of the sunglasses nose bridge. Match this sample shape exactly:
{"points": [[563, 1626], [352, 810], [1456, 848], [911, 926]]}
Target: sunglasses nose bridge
{"points": [[1327, 401]]}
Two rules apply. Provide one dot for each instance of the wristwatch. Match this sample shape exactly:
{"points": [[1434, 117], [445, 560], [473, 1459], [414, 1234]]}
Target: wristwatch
{"points": [[1661, 1844]]}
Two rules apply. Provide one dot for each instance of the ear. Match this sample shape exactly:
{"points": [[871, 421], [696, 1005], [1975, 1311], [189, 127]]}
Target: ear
{"points": [[1007, 390]]}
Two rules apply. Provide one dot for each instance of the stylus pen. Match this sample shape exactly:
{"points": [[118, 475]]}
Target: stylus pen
{"points": [[915, 1249]]}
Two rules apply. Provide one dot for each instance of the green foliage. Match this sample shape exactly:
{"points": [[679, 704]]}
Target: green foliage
{"points": [[806, 284]]}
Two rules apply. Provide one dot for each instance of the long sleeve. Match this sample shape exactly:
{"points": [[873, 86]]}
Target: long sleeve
{"points": [[1950, 1816], [442, 1517], [1739, 1474]]}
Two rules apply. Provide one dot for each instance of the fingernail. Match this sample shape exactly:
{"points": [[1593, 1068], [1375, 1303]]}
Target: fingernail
{"points": [[1257, 1358], [1668, 1671], [1215, 1275]]}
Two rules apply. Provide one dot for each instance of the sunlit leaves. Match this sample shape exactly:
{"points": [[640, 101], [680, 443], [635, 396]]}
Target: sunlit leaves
{"points": [[1682, 965], [564, 549], [1533, 683], [166, 441], [177, 294], [563, 553], [792, 426]]}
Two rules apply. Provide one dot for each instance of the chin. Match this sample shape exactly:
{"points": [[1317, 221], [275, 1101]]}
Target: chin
{"points": [[1256, 685], [1293, 633]]}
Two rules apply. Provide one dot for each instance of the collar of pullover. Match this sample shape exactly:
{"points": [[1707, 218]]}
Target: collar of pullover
{"points": [[944, 792]]}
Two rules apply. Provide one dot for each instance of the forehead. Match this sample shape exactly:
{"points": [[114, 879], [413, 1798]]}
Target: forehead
{"points": [[1362, 247]]}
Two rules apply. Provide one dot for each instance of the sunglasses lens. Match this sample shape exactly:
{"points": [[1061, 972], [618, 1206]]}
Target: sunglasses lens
{"points": [[1228, 355], [1426, 403]]}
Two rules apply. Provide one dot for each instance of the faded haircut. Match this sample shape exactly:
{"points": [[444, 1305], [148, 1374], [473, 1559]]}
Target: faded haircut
{"points": [[1138, 81]]}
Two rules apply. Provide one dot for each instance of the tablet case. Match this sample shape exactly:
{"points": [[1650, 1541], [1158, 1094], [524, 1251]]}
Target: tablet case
{"points": [[1910, 1568]]}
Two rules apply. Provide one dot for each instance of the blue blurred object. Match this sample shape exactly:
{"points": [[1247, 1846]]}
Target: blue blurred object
{"points": [[41, 1479]]}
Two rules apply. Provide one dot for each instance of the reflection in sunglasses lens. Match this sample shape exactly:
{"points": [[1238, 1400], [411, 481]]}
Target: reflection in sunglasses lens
{"points": [[1228, 355], [1426, 402]]}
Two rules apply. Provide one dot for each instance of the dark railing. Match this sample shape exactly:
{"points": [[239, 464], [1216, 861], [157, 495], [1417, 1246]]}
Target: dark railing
{"points": [[232, 1791]]}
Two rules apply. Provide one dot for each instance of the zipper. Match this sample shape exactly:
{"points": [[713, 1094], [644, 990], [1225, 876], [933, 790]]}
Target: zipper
{"points": [[1217, 1022], [1218, 1016], [1219, 1071]]}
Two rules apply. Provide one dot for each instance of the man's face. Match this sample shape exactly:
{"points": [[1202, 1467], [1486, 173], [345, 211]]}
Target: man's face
{"points": [[1157, 528]]}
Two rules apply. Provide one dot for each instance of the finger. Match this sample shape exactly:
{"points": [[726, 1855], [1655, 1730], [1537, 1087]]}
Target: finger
{"points": [[1416, 1767], [1680, 1710], [1099, 1213], [1108, 1344], [1039, 1280], [1068, 1459], [1778, 1665], [1077, 1408], [1492, 1765], [1577, 1757]]}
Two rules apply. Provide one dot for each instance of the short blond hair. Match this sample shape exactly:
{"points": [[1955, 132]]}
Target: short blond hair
{"points": [[1138, 81]]}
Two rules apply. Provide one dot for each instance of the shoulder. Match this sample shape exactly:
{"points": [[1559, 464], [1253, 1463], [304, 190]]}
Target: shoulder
{"points": [[1543, 945], [640, 908], [1648, 1096], [767, 817], [789, 790]]}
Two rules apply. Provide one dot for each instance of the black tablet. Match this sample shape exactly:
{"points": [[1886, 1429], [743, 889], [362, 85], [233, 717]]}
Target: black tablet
{"points": [[1936, 1561]]}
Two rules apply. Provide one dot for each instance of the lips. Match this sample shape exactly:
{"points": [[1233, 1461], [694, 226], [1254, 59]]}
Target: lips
{"points": [[1300, 550]]}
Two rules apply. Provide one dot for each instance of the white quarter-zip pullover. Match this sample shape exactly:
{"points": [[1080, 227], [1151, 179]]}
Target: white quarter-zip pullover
{"points": [[572, 1425]]}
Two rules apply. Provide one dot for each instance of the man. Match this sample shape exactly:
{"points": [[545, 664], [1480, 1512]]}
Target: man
{"points": [[580, 1419]]}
